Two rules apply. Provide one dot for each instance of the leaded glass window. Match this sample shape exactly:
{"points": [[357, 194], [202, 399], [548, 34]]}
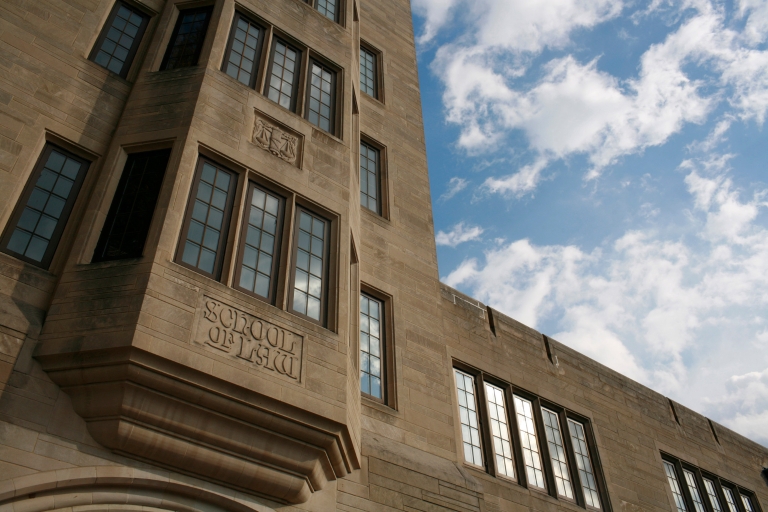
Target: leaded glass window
{"points": [[368, 72], [243, 50], [371, 346], [43, 210], [321, 109], [502, 447], [187, 39], [709, 485], [283, 73], [208, 213], [120, 38], [677, 492], [584, 464], [747, 503], [470, 425], [557, 453], [260, 243], [327, 8], [309, 273], [370, 177], [730, 500], [529, 442], [690, 480]]}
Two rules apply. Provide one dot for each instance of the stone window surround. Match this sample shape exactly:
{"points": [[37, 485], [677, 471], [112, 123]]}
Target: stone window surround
{"points": [[388, 374], [139, 41], [292, 203], [563, 414], [378, 70], [701, 475], [384, 209]]}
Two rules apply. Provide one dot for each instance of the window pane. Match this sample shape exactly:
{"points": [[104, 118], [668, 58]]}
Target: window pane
{"points": [[709, 485], [282, 78], [127, 225], [321, 97], [470, 433], [189, 35], [557, 453], [690, 480], [43, 213], [369, 177], [327, 8], [120, 39], [583, 464], [673, 483], [747, 503], [530, 445], [730, 500], [308, 282], [257, 268], [368, 72], [371, 349], [241, 61], [502, 446]]}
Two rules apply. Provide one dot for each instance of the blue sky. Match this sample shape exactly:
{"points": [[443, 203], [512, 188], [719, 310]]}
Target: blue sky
{"points": [[598, 171]]}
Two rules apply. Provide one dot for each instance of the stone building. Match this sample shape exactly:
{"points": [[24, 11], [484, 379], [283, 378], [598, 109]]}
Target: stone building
{"points": [[220, 290]]}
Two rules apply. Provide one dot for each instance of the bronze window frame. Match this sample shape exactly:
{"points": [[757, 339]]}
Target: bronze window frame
{"points": [[334, 93], [66, 211], [136, 41], [257, 64], [383, 331], [175, 34], [297, 78], [337, 15], [378, 75], [327, 255], [388, 372], [226, 221]]}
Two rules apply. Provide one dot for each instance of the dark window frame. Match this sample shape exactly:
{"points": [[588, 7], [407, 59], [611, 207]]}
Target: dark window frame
{"points": [[136, 42], [380, 188], [389, 374], [384, 349], [226, 222], [300, 52], [337, 15], [66, 212], [327, 254], [313, 59], [378, 87], [175, 33], [257, 64]]}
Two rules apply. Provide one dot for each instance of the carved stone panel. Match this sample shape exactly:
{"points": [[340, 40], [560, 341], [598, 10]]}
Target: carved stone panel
{"points": [[278, 139], [249, 339]]}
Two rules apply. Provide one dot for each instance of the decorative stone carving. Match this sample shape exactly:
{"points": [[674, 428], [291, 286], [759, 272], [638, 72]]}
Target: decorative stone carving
{"points": [[249, 339], [279, 140]]}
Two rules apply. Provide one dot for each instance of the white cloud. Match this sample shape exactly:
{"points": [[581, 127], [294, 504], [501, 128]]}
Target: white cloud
{"points": [[458, 235], [435, 13], [518, 184], [744, 408], [455, 185]]}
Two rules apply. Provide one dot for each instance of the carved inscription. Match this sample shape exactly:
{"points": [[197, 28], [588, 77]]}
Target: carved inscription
{"points": [[277, 140], [250, 339]]}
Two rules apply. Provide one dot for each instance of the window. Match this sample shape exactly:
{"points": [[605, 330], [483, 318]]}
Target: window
{"points": [[120, 38], [35, 227], [207, 219], [327, 8], [283, 74], [130, 215], [321, 97], [310, 260], [243, 48], [369, 72], [370, 178], [690, 496], [371, 347], [187, 38], [501, 429], [259, 243]]}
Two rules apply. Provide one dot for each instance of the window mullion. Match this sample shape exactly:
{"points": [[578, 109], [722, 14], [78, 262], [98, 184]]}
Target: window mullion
{"points": [[485, 425], [514, 434], [684, 486]]}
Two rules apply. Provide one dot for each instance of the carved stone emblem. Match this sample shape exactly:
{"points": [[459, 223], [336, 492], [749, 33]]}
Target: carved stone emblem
{"points": [[250, 339], [278, 140]]}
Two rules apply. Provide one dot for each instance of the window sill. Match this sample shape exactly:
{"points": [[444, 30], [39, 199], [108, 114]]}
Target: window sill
{"points": [[380, 219], [379, 406]]}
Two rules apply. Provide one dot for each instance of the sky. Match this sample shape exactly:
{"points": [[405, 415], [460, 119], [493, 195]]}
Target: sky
{"points": [[598, 172]]}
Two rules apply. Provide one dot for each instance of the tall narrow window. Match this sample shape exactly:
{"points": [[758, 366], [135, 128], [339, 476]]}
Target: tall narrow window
{"points": [[730, 500], [690, 480], [371, 347], [709, 485], [187, 38], [502, 446], [208, 212], [36, 225], [370, 178], [120, 38], [677, 492], [530, 444], [242, 53], [283, 72], [310, 255], [327, 8], [130, 215], [747, 503], [368, 73], [583, 464], [259, 243], [557, 453], [470, 426], [321, 108]]}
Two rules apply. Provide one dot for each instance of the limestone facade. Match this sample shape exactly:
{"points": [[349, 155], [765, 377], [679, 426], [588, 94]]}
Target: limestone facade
{"points": [[155, 382]]}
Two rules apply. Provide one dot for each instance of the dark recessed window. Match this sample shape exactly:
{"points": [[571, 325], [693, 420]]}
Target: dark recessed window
{"points": [[310, 261], [130, 215], [327, 8], [371, 347], [283, 74], [207, 219], [260, 243], [368, 72], [322, 97], [242, 55], [120, 38], [36, 225], [370, 178], [187, 38]]}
